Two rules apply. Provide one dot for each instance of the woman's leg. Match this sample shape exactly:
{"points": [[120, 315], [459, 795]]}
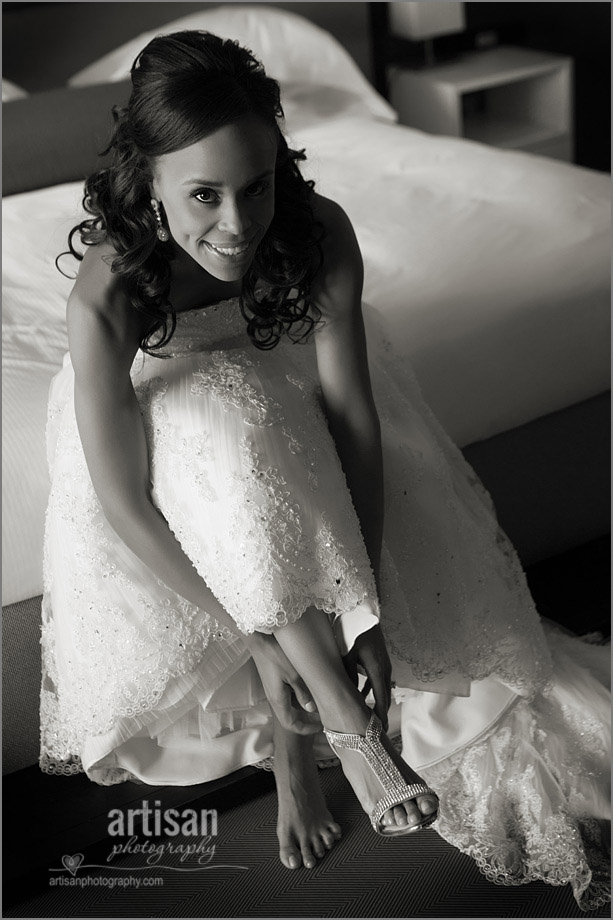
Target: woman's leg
{"points": [[310, 646], [305, 827]]}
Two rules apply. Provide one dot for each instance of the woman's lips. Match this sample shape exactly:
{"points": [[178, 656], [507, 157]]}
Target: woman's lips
{"points": [[230, 252]]}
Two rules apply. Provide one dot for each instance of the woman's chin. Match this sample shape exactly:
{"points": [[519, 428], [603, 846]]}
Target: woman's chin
{"points": [[229, 275]]}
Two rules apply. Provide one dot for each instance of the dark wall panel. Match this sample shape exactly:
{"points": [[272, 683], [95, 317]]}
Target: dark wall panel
{"points": [[581, 30], [45, 43]]}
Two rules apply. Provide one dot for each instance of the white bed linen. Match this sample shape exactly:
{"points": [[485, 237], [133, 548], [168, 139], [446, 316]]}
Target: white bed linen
{"points": [[34, 293], [491, 269], [11, 91]]}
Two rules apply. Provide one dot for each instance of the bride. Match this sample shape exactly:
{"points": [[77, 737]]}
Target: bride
{"points": [[219, 577]]}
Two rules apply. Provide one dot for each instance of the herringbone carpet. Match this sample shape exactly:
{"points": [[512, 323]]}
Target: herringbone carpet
{"points": [[363, 876]]}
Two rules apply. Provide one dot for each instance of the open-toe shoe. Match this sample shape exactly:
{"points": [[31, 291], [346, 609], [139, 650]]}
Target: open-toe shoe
{"points": [[395, 791]]}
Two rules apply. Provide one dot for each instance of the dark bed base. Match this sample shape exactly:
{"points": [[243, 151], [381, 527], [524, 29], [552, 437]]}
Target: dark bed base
{"points": [[551, 478]]}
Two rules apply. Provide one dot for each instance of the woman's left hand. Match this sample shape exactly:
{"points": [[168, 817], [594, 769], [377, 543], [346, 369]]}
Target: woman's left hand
{"points": [[370, 653], [283, 685]]}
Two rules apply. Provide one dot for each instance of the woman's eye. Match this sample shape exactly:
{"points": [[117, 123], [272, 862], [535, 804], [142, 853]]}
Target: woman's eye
{"points": [[257, 189], [206, 195]]}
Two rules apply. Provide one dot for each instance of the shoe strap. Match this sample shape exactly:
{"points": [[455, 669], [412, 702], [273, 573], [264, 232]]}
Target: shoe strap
{"points": [[396, 789], [353, 741]]}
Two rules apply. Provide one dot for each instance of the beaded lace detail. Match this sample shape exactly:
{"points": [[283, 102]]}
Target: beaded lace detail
{"points": [[225, 380], [258, 557], [119, 637], [520, 800], [454, 598], [261, 549], [119, 644], [470, 612]]}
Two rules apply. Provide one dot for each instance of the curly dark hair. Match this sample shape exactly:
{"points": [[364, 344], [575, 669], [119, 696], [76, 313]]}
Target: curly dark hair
{"points": [[184, 87]]}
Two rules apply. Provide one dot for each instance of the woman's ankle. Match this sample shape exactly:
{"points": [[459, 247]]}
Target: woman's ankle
{"points": [[310, 646], [345, 712]]}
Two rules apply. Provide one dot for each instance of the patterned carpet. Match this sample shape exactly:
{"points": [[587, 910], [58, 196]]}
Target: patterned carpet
{"points": [[363, 876]]}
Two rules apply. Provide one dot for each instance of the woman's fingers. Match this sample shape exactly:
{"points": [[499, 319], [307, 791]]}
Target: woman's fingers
{"points": [[303, 695], [380, 708], [292, 719], [381, 682], [370, 653], [283, 685]]}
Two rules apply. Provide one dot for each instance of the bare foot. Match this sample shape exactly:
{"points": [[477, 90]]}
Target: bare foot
{"points": [[369, 789], [305, 827]]}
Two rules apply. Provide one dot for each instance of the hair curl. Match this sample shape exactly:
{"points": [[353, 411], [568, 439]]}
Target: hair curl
{"points": [[185, 86]]}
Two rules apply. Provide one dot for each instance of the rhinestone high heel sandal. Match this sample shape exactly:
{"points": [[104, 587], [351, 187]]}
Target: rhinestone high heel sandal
{"points": [[395, 789]]}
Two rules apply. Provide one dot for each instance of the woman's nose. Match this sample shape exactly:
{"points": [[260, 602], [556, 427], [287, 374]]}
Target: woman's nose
{"points": [[232, 218]]}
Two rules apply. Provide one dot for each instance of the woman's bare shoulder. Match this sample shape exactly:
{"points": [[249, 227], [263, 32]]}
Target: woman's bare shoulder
{"points": [[339, 243], [97, 287], [333, 218], [99, 306], [339, 283]]}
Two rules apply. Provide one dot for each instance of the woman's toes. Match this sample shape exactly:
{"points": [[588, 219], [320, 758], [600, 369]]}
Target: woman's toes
{"points": [[318, 847], [409, 812], [331, 834], [412, 813], [427, 804], [400, 815], [308, 859], [290, 857]]}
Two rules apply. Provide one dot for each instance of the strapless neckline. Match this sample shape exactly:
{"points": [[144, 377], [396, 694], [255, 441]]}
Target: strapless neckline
{"points": [[208, 306]]}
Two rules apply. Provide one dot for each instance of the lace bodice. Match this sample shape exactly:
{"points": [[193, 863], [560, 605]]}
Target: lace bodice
{"points": [[217, 327]]}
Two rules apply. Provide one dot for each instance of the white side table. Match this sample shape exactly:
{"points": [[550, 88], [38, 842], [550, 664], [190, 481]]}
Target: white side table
{"points": [[508, 97]]}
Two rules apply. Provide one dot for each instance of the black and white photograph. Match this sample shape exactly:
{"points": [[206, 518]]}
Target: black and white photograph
{"points": [[306, 459]]}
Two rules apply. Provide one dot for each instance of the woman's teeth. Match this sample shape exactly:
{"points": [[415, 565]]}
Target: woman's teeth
{"points": [[230, 250]]}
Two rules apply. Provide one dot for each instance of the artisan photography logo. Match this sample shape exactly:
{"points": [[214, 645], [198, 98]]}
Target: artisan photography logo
{"points": [[155, 822], [147, 838]]}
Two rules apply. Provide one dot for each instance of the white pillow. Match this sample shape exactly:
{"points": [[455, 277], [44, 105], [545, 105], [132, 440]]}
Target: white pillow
{"points": [[11, 91], [34, 340], [292, 49]]}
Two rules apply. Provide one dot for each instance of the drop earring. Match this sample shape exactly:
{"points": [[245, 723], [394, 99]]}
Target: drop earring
{"points": [[162, 233]]}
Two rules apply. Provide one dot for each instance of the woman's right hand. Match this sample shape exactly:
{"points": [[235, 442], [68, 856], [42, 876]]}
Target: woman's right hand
{"points": [[282, 683]]}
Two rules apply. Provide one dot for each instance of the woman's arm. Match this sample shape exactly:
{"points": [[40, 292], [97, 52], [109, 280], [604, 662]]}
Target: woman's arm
{"points": [[104, 334], [343, 372], [103, 343]]}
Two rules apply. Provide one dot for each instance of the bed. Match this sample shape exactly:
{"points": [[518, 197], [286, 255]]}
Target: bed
{"points": [[489, 268]]}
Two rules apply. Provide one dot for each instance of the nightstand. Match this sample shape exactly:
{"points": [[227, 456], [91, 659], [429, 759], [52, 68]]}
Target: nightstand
{"points": [[509, 97]]}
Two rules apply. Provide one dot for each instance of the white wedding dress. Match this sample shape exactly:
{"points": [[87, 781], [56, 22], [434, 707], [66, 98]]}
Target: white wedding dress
{"points": [[505, 716]]}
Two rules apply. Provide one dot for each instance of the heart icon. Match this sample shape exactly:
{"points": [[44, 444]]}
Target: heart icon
{"points": [[72, 863]]}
